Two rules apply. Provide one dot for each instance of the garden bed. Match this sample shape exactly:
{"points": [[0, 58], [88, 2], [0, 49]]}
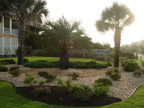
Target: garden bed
{"points": [[60, 96]]}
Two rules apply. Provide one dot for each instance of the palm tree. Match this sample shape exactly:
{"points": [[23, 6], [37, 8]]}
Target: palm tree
{"points": [[66, 32], [115, 18], [24, 10]]}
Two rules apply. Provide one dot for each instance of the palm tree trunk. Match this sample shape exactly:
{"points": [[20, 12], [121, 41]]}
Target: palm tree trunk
{"points": [[117, 38], [20, 41], [64, 58]]}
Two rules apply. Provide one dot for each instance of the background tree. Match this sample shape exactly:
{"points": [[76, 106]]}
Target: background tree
{"points": [[115, 18], [65, 32], [24, 10]]}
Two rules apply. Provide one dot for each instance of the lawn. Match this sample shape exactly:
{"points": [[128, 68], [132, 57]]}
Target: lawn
{"points": [[35, 58], [10, 99]]}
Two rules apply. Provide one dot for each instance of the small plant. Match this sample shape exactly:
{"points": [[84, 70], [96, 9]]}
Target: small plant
{"points": [[3, 68], [68, 84], [41, 83], [15, 68], [115, 76], [15, 73], [29, 79], [104, 81], [60, 83], [41, 91], [47, 76], [25, 60], [81, 92], [109, 72], [138, 73], [100, 89], [74, 76]]}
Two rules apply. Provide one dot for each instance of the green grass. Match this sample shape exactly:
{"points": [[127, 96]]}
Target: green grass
{"points": [[35, 58], [138, 62], [10, 99]]}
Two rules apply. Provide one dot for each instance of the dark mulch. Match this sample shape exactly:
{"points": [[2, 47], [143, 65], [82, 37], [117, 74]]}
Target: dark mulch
{"points": [[60, 96]]}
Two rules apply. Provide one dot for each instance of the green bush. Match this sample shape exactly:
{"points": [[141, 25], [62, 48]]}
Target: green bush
{"points": [[74, 76], [15, 68], [3, 68], [15, 73], [25, 60], [38, 91], [104, 81], [8, 61], [47, 76], [131, 66], [42, 64], [115, 76], [138, 73], [100, 89], [91, 64], [29, 79], [55, 64], [81, 92]]}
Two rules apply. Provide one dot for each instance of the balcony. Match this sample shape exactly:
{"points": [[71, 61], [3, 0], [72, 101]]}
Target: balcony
{"points": [[7, 31]]}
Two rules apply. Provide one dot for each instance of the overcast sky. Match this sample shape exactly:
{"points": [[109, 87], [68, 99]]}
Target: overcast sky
{"points": [[89, 11]]}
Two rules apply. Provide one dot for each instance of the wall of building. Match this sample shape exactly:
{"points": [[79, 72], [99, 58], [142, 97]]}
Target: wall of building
{"points": [[8, 45]]}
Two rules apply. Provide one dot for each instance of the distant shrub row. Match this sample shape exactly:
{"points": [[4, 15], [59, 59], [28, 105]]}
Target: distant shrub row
{"points": [[55, 64]]}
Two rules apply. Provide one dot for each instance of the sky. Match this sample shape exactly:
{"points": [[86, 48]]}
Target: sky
{"points": [[89, 11]]}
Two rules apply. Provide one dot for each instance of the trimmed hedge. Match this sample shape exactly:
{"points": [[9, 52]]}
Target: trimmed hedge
{"points": [[46, 64], [8, 61], [131, 66]]}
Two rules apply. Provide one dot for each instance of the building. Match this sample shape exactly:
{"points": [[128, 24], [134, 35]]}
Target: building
{"points": [[8, 37], [9, 33]]}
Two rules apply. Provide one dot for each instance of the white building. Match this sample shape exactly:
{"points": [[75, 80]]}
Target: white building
{"points": [[8, 38]]}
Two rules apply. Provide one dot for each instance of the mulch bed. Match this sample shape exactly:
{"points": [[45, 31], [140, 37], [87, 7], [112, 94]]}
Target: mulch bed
{"points": [[60, 96]]}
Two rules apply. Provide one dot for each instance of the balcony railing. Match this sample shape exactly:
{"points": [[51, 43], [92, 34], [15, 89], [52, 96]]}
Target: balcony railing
{"points": [[7, 31], [34, 24]]}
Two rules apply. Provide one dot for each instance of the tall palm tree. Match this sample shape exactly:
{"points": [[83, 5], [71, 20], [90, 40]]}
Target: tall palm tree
{"points": [[66, 32], [115, 18], [24, 10]]}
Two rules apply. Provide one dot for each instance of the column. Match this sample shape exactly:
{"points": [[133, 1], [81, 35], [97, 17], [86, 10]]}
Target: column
{"points": [[2, 45], [2, 25], [10, 52], [10, 26]]}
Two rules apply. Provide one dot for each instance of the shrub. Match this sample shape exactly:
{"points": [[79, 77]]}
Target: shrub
{"points": [[115, 76], [60, 83], [104, 81], [3, 68], [42, 64], [100, 89], [109, 72], [8, 61], [138, 73], [41, 91], [29, 79], [41, 83], [91, 64], [74, 76], [15, 73], [131, 66], [47, 76], [81, 92], [25, 60], [15, 68]]}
